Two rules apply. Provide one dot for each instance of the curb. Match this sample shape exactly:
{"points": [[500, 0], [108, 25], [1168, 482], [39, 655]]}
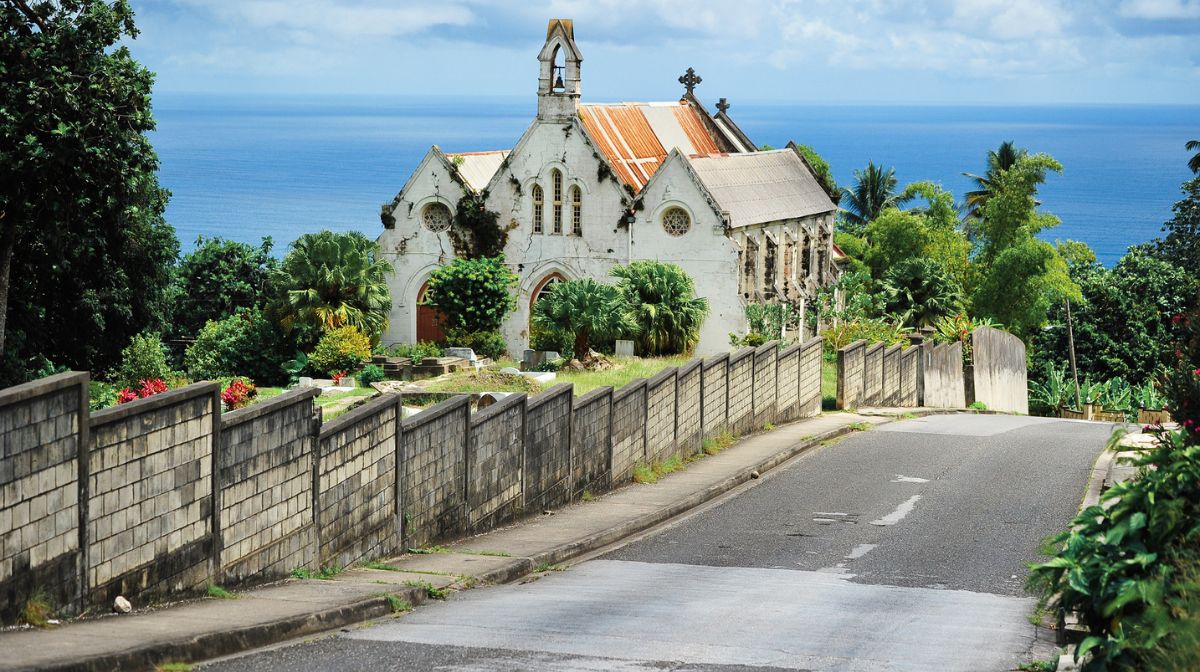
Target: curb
{"points": [[216, 644]]}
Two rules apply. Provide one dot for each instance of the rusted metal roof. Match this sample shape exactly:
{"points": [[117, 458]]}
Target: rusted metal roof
{"points": [[636, 137], [760, 187], [477, 168]]}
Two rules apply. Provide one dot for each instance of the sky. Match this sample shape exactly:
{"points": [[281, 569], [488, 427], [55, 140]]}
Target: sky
{"points": [[814, 51]]}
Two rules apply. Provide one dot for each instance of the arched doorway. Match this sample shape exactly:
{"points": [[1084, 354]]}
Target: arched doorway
{"points": [[429, 319], [539, 290]]}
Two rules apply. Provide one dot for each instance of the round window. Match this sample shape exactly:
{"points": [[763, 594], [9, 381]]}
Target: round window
{"points": [[676, 221], [436, 217]]}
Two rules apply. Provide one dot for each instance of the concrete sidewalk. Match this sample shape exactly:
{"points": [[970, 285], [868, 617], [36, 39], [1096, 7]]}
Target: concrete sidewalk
{"points": [[206, 628]]}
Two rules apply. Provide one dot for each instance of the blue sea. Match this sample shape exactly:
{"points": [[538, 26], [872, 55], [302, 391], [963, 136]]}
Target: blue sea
{"points": [[245, 168]]}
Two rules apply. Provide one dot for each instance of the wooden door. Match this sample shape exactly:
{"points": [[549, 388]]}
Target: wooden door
{"points": [[429, 319]]}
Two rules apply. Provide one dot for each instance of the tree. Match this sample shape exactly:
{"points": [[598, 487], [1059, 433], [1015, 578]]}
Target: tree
{"points": [[330, 280], [474, 294], [919, 292], [821, 170], [217, 278], [1010, 213], [245, 343], [79, 196], [663, 301], [1181, 245], [1022, 284], [931, 231], [874, 191], [1194, 162], [998, 160], [586, 310]]}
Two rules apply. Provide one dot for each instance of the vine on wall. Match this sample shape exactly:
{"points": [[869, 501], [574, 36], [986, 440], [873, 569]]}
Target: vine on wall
{"points": [[476, 231]]}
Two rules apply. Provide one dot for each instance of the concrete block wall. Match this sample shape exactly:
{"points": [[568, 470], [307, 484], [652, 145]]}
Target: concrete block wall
{"points": [[591, 442], [548, 439], [998, 370], [873, 375], [150, 520], [765, 392], [356, 484], [910, 377], [787, 377], [714, 386], [811, 356], [628, 430], [660, 415], [433, 489], [942, 376], [891, 376], [265, 488], [741, 391], [43, 432], [495, 457], [689, 428], [850, 375]]}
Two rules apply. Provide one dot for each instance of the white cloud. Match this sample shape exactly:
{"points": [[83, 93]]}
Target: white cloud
{"points": [[340, 19], [1160, 9]]}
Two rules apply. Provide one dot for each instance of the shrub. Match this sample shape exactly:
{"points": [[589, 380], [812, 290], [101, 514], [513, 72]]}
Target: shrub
{"points": [[370, 374], [474, 294], [145, 388], [238, 394], [484, 343], [217, 278], [145, 358], [416, 351], [870, 330], [343, 349], [585, 309], [101, 395], [662, 300], [243, 344], [1182, 384]]}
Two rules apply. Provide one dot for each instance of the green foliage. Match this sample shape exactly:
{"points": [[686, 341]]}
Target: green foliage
{"points": [[397, 604], [585, 308], [219, 592], [978, 406], [874, 191], [838, 336], [766, 322], [431, 591], [371, 374], [821, 169], [484, 343], [475, 294], [216, 279], [330, 280], [919, 292], [324, 573], [1052, 393], [416, 351], [931, 231], [476, 233], [1127, 566], [1181, 244], [1182, 382], [859, 301], [1194, 162], [998, 161], [243, 344], [855, 248], [343, 349], [37, 610], [145, 358], [663, 302], [959, 328], [1010, 215], [1022, 284], [101, 395], [80, 201]]}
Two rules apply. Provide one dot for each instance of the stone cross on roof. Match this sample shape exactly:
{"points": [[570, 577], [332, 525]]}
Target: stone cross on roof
{"points": [[690, 79], [723, 105]]}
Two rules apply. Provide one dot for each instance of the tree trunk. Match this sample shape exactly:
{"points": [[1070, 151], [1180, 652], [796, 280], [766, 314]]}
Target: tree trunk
{"points": [[8, 235], [581, 344]]}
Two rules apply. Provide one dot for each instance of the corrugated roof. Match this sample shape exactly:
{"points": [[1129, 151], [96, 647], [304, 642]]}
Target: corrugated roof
{"points": [[636, 137], [477, 168], [761, 187]]}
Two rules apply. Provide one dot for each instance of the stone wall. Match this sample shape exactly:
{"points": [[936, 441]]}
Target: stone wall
{"points": [[891, 376], [265, 488], [811, 357], [910, 377], [628, 430], [741, 391], [873, 375], [998, 370], [850, 373], [787, 376], [765, 392], [548, 439], [591, 442], [150, 519], [689, 430], [434, 464], [495, 456], [660, 416], [714, 404], [942, 376], [43, 431]]}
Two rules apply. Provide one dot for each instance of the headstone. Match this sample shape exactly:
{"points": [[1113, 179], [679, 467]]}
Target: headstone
{"points": [[508, 370], [624, 348], [466, 353], [121, 605], [305, 381]]}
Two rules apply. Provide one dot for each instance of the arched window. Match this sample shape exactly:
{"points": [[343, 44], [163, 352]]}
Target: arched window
{"points": [[676, 221], [538, 200], [436, 217], [576, 211], [556, 178]]}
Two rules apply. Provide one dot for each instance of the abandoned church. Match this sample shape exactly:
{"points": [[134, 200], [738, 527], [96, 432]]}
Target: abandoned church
{"points": [[592, 185]]}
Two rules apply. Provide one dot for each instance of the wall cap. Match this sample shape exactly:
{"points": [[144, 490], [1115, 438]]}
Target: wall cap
{"points": [[436, 411], [233, 418], [550, 395], [356, 415], [158, 401], [497, 408], [43, 386]]}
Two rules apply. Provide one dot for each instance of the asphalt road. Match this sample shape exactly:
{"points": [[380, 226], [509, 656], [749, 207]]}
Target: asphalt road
{"points": [[901, 548]]}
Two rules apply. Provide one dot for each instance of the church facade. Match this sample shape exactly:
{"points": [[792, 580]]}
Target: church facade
{"points": [[592, 185]]}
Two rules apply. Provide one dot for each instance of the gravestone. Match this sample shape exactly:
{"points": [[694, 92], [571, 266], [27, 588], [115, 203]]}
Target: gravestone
{"points": [[624, 348], [466, 353]]}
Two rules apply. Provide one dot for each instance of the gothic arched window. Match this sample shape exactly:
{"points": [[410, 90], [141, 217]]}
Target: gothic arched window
{"points": [[538, 200], [556, 179], [576, 211]]}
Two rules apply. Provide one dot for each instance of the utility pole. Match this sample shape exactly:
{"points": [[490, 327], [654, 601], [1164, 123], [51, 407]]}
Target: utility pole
{"points": [[1071, 350]]}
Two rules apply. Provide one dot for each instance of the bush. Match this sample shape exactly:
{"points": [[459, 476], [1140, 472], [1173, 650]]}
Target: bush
{"points": [[146, 388], [416, 351], [872, 331], [586, 310], [343, 349], [101, 395], [145, 358], [662, 300], [238, 394], [474, 294], [243, 344], [484, 343], [370, 374]]}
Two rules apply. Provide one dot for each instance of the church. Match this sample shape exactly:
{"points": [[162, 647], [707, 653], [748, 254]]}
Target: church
{"points": [[592, 185]]}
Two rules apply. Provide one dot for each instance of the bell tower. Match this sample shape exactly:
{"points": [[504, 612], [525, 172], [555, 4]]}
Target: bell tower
{"points": [[558, 76]]}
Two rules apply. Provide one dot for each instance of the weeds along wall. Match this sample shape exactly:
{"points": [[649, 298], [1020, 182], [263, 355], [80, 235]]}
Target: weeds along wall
{"points": [[158, 498]]}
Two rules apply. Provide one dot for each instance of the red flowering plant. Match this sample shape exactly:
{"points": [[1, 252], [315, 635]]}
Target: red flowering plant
{"points": [[146, 388], [238, 394], [1182, 385], [338, 377]]}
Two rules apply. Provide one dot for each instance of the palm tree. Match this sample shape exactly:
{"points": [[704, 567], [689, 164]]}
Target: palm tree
{"points": [[330, 280], [585, 308], [919, 291], [1194, 162], [663, 302], [874, 191], [998, 160]]}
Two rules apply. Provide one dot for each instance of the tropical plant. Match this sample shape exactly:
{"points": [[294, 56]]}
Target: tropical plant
{"points": [[767, 320], [1181, 244], [371, 374], [84, 247], [1054, 392], [959, 328], [1182, 382], [1148, 396], [919, 292], [239, 393], [216, 279], [838, 336], [331, 280], [585, 308], [998, 161], [874, 191], [849, 298], [243, 344], [484, 343], [145, 358], [416, 351], [342, 349], [662, 299], [474, 294], [1194, 162]]}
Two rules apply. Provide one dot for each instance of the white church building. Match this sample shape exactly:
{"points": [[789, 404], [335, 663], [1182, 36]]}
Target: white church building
{"points": [[592, 185]]}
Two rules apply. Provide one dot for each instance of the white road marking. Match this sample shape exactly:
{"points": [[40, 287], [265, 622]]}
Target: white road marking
{"points": [[909, 479], [898, 515], [860, 550], [827, 513]]}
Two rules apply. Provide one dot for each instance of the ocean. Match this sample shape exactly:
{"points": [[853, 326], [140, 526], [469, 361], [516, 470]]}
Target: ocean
{"points": [[245, 168]]}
